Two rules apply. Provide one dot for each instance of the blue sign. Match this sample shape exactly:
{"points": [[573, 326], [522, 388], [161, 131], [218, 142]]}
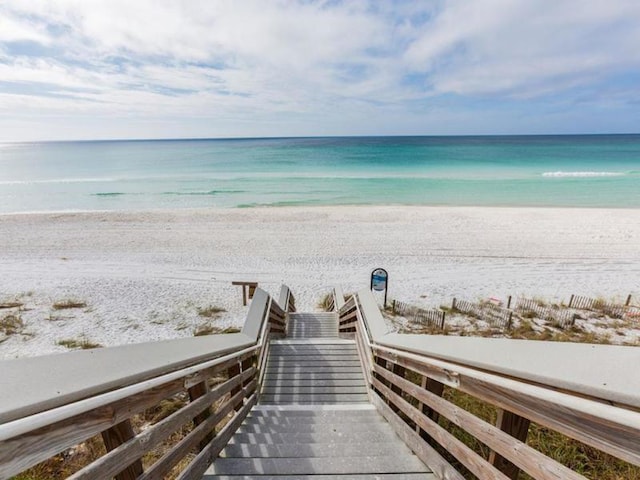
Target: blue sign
{"points": [[379, 280]]}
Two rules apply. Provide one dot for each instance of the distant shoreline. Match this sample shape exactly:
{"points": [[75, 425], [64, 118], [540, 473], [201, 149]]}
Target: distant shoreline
{"points": [[201, 210]]}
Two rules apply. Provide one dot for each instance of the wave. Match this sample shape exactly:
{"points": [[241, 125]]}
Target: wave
{"points": [[108, 194], [583, 174], [57, 180], [210, 192]]}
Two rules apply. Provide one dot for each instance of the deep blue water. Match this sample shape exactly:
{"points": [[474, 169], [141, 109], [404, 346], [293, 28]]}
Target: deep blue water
{"points": [[571, 171]]}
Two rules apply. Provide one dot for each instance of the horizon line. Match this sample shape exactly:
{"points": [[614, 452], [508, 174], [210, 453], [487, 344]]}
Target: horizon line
{"points": [[303, 137]]}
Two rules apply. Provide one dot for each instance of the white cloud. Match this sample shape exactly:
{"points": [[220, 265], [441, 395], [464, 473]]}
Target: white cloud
{"points": [[259, 60], [526, 48]]}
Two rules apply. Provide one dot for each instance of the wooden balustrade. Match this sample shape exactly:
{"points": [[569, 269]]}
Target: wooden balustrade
{"points": [[408, 388], [213, 397]]}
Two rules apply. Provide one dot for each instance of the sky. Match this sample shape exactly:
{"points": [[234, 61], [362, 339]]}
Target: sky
{"points": [[109, 69]]}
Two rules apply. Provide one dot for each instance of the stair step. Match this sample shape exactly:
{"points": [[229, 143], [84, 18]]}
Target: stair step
{"points": [[313, 382], [351, 476], [318, 437], [339, 413], [323, 362], [311, 371], [312, 390], [312, 376], [313, 465], [335, 428], [314, 398], [273, 420], [315, 450]]}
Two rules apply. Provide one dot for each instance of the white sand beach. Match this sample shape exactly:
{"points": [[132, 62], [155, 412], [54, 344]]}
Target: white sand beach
{"points": [[144, 275]]}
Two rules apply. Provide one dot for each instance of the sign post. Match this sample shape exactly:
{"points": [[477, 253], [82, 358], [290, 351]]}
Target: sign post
{"points": [[379, 280]]}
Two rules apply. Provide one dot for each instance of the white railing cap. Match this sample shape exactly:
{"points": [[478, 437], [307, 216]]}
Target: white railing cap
{"points": [[35, 384]]}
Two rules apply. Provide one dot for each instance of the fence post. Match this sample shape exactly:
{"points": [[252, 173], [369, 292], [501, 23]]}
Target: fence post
{"points": [[628, 302], [232, 372], [453, 304], [116, 436], [436, 388], [195, 392], [571, 300], [517, 427], [442, 323], [509, 302]]}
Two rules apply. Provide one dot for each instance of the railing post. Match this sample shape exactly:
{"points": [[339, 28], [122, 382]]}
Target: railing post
{"points": [[436, 388], [234, 371], [116, 436], [517, 427], [195, 392], [400, 371]]}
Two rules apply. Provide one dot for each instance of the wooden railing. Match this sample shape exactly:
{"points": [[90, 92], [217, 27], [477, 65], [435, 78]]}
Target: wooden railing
{"points": [[593, 398], [216, 377], [287, 300]]}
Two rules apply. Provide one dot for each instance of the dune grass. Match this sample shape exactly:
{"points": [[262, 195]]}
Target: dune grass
{"points": [[68, 304], [208, 329], [210, 311], [82, 343], [11, 324], [13, 304]]}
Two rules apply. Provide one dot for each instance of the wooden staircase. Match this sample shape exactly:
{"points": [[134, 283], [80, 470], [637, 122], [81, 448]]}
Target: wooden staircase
{"points": [[314, 419]]}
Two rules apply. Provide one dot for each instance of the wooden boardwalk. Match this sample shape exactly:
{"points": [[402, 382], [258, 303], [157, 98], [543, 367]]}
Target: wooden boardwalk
{"points": [[314, 419]]}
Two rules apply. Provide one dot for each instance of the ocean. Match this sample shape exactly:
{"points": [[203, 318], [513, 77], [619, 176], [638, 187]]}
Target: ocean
{"points": [[541, 171]]}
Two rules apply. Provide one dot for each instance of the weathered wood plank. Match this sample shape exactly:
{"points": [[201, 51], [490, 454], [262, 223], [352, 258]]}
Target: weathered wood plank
{"points": [[218, 369], [159, 469], [195, 392], [202, 461], [113, 438], [423, 451], [527, 458], [109, 464], [24, 451], [470, 459], [517, 427], [546, 407]]}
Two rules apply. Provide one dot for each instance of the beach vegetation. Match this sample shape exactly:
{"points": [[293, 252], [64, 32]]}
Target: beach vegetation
{"points": [[182, 326], [68, 304], [208, 329], [326, 302], [11, 324], [54, 318], [11, 304], [82, 343], [210, 311]]}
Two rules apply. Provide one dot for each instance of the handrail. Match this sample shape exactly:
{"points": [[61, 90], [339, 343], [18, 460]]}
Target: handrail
{"points": [[337, 296], [286, 299], [408, 375], [186, 368]]}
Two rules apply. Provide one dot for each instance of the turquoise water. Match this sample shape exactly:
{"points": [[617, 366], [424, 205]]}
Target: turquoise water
{"points": [[570, 171]]}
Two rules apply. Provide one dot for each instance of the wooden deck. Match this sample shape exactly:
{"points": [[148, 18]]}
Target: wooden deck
{"points": [[314, 419], [290, 397]]}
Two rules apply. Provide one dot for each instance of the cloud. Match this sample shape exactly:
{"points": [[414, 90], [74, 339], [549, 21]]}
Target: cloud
{"points": [[526, 48], [309, 61]]}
